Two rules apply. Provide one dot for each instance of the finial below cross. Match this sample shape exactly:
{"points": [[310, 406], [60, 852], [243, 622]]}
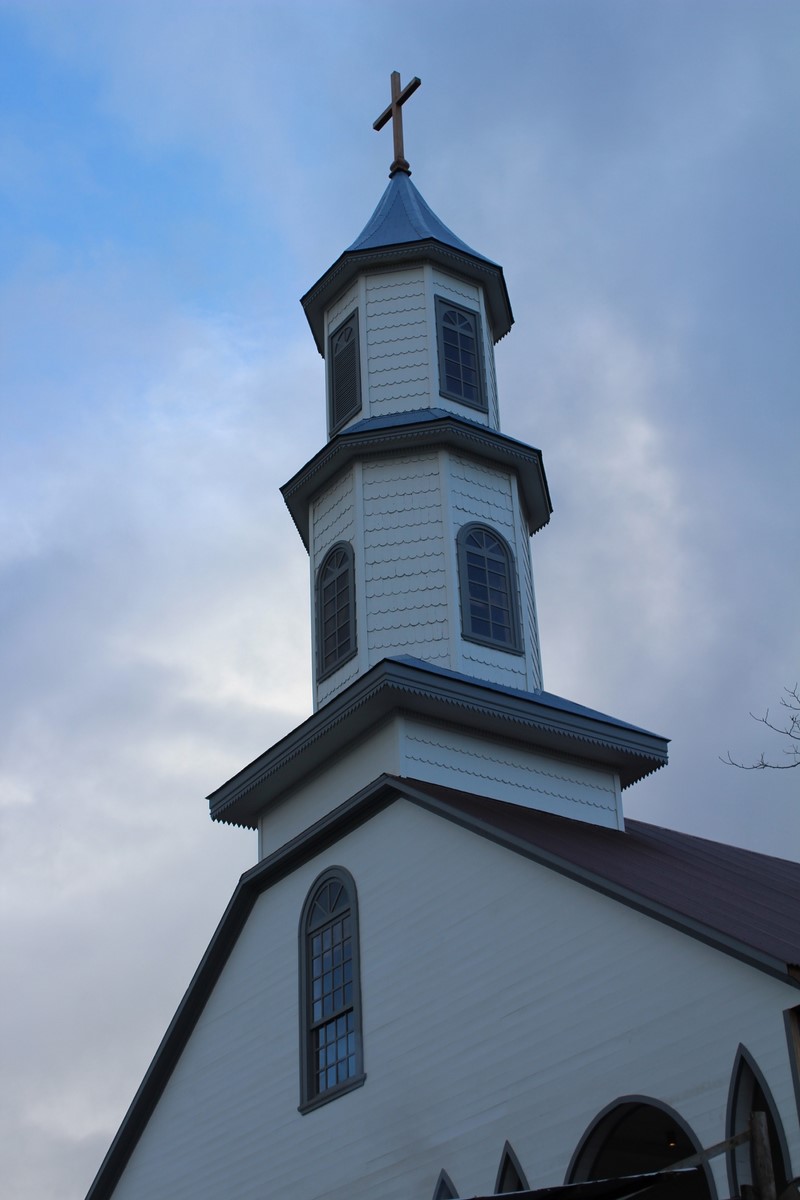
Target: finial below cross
{"points": [[395, 111]]}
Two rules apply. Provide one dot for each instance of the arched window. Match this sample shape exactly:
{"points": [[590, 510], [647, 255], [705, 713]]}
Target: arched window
{"points": [[336, 609], [460, 361], [510, 1176], [344, 373], [488, 589], [750, 1093], [330, 1033]]}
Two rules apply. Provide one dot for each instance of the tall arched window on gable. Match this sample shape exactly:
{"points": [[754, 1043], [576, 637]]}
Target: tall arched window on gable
{"points": [[330, 1033], [488, 587], [336, 609]]}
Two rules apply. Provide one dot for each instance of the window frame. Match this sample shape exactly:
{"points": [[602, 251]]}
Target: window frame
{"points": [[514, 646], [442, 306], [310, 1098], [325, 670], [336, 422]]}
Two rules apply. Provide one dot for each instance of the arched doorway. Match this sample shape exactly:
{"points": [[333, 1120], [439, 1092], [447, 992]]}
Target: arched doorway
{"points": [[637, 1134], [749, 1093]]}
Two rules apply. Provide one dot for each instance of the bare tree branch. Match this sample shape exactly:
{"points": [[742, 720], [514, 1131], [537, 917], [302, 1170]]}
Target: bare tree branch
{"points": [[788, 726]]}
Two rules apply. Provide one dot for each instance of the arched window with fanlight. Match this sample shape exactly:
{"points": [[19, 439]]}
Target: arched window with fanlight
{"points": [[458, 332], [488, 589], [330, 1033], [336, 609]]}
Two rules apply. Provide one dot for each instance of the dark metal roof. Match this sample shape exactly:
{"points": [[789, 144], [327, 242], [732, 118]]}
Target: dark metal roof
{"points": [[402, 216], [405, 230], [750, 900]]}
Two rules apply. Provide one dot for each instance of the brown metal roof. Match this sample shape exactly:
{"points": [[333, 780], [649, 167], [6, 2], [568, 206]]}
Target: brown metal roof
{"points": [[750, 899]]}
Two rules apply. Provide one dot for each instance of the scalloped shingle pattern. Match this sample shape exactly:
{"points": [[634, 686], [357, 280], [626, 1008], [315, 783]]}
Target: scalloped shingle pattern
{"points": [[404, 561], [398, 353]]}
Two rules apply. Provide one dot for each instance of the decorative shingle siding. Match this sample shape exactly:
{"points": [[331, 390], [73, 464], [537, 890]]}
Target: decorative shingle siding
{"points": [[333, 517], [398, 350], [530, 619], [404, 560], [512, 774], [341, 308]]}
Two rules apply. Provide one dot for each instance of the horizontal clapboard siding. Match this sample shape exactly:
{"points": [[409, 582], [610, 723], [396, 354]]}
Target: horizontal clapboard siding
{"points": [[500, 1000]]}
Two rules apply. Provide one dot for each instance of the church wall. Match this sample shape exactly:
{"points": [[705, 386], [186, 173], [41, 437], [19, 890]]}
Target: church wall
{"points": [[404, 559], [413, 748], [488, 495], [340, 310], [340, 779], [506, 771], [399, 357], [500, 1000], [335, 518]]}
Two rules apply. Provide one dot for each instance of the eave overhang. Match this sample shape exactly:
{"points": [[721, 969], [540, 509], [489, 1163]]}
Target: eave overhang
{"points": [[373, 440], [538, 721], [351, 263]]}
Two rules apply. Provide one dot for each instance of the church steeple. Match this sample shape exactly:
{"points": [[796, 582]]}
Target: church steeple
{"points": [[417, 513]]}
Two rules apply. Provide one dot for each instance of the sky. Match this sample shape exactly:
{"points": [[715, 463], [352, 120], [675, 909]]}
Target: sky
{"points": [[173, 177]]}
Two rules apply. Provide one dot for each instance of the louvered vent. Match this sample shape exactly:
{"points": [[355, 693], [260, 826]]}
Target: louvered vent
{"points": [[345, 389]]}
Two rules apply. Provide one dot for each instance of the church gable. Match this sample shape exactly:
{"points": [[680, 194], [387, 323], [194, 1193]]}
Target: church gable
{"points": [[471, 957]]}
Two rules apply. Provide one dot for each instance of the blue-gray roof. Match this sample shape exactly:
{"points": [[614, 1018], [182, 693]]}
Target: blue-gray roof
{"points": [[404, 229], [402, 216]]}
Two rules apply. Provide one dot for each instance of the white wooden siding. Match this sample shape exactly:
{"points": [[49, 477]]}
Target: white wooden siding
{"points": [[341, 308], [509, 772], [500, 1000], [489, 495], [415, 748], [334, 518], [404, 564], [399, 360]]}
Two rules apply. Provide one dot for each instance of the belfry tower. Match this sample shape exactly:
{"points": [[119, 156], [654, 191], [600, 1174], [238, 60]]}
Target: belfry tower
{"points": [[416, 515]]}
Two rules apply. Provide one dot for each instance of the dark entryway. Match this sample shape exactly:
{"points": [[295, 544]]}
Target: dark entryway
{"points": [[636, 1136]]}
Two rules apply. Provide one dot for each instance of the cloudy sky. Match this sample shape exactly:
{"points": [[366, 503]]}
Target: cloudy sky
{"points": [[172, 178]]}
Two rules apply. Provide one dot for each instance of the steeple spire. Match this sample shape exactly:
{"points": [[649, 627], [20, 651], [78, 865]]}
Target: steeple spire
{"points": [[395, 111]]}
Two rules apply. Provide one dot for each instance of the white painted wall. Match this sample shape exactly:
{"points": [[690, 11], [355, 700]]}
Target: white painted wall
{"points": [[500, 1000], [402, 515], [414, 748], [399, 346]]}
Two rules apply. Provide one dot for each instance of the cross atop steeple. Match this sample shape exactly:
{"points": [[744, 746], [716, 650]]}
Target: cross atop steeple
{"points": [[395, 111]]}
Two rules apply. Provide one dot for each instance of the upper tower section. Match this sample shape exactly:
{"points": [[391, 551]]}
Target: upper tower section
{"points": [[408, 316], [417, 511]]}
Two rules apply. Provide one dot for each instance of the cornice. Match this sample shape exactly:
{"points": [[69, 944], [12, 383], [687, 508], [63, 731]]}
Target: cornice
{"points": [[449, 431], [394, 686], [354, 262]]}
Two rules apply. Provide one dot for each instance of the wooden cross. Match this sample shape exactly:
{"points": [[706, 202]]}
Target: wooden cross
{"points": [[395, 111]]}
